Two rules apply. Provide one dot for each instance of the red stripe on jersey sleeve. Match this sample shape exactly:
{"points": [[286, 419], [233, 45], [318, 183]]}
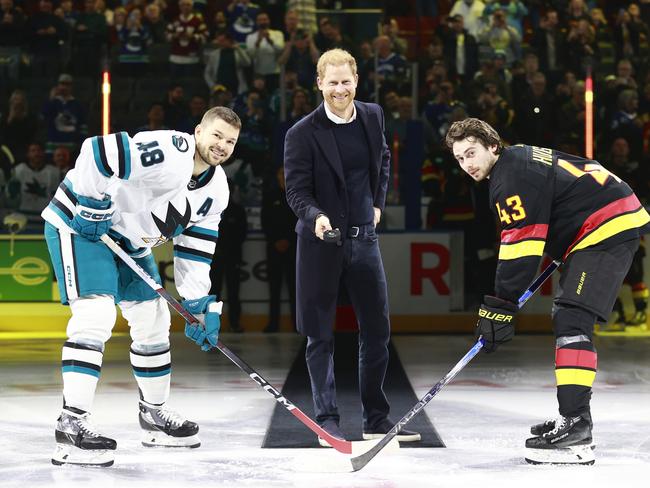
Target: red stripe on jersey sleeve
{"points": [[575, 358], [535, 231]]}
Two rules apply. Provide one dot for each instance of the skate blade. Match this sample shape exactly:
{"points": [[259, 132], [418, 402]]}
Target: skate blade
{"points": [[153, 438], [66, 454], [566, 455]]}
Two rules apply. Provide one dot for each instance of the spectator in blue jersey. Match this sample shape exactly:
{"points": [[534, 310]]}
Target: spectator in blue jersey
{"points": [[436, 112], [241, 15], [626, 122], [254, 139], [392, 68], [134, 39], [64, 116]]}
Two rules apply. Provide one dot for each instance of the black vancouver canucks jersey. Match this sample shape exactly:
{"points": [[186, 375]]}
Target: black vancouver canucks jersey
{"points": [[553, 202]]}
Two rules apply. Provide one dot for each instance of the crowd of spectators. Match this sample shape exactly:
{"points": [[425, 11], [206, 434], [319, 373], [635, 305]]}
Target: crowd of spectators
{"points": [[519, 65]]}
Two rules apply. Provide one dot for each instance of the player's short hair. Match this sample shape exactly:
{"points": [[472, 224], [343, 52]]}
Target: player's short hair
{"points": [[473, 128], [335, 57], [223, 113]]}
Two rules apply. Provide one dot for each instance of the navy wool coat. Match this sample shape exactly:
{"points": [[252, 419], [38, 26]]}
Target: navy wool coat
{"points": [[315, 184]]}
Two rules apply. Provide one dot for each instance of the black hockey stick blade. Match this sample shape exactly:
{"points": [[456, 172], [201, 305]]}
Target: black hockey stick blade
{"points": [[359, 462]]}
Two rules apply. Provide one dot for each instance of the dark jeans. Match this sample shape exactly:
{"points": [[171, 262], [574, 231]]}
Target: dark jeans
{"points": [[365, 282]]}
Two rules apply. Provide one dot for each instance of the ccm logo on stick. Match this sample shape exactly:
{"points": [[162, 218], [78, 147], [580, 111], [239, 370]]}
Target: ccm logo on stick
{"points": [[278, 396]]}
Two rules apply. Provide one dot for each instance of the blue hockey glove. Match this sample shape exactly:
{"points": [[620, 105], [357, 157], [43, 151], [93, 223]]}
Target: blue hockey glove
{"points": [[208, 309], [93, 218], [496, 322]]}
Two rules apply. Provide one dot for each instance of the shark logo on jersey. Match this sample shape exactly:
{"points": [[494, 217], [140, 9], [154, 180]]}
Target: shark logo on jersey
{"points": [[180, 143], [174, 222]]}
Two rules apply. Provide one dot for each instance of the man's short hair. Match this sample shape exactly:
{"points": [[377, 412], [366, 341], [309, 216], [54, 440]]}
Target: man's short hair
{"points": [[223, 113], [335, 57], [473, 128]]}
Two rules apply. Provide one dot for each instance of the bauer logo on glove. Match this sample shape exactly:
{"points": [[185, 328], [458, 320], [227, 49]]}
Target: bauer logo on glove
{"points": [[499, 317], [496, 322]]}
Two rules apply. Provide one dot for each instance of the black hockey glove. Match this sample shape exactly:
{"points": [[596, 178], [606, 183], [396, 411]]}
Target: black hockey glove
{"points": [[495, 322]]}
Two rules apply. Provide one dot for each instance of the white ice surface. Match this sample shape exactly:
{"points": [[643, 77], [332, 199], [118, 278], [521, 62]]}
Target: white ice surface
{"points": [[483, 417]]}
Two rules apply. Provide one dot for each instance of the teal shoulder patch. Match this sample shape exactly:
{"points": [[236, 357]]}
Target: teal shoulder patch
{"points": [[180, 143]]}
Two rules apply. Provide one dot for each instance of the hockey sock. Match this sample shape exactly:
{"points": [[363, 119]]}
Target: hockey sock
{"points": [[152, 370], [575, 370], [81, 365]]}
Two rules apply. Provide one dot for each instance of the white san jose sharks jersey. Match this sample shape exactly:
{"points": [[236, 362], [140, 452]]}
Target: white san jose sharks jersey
{"points": [[155, 198]]}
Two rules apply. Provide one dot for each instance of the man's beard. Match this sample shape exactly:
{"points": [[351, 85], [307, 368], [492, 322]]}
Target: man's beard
{"points": [[205, 156], [341, 104]]}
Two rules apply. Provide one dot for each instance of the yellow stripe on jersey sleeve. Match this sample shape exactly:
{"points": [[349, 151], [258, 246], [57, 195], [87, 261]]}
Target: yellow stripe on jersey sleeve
{"points": [[569, 376], [613, 227], [521, 249]]}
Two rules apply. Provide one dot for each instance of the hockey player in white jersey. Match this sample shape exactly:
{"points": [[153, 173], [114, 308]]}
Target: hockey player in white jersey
{"points": [[142, 191]]}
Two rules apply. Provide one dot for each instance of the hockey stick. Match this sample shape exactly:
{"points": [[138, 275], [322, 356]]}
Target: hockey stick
{"points": [[360, 461], [343, 446]]}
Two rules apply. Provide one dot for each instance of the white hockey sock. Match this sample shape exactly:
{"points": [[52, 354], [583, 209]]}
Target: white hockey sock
{"points": [[152, 370], [81, 365]]}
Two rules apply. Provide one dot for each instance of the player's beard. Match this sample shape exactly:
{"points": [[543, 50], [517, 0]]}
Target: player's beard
{"points": [[204, 153]]}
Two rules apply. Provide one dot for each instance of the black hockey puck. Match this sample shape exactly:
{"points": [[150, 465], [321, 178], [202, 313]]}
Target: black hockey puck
{"points": [[333, 235]]}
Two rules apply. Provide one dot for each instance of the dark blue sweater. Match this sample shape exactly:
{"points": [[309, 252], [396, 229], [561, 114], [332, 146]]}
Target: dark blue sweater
{"points": [[355, 156]]}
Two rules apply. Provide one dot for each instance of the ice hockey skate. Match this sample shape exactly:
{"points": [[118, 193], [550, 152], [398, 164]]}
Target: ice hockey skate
{"points": [[164, 427], [565, 440], [77, 441]]}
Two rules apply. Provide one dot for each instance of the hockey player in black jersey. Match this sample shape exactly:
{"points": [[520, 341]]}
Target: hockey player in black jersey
{"points": [[572, 209]]}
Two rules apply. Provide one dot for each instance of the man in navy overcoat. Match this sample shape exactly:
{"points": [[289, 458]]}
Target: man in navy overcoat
{"points": [[336, 165]]}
